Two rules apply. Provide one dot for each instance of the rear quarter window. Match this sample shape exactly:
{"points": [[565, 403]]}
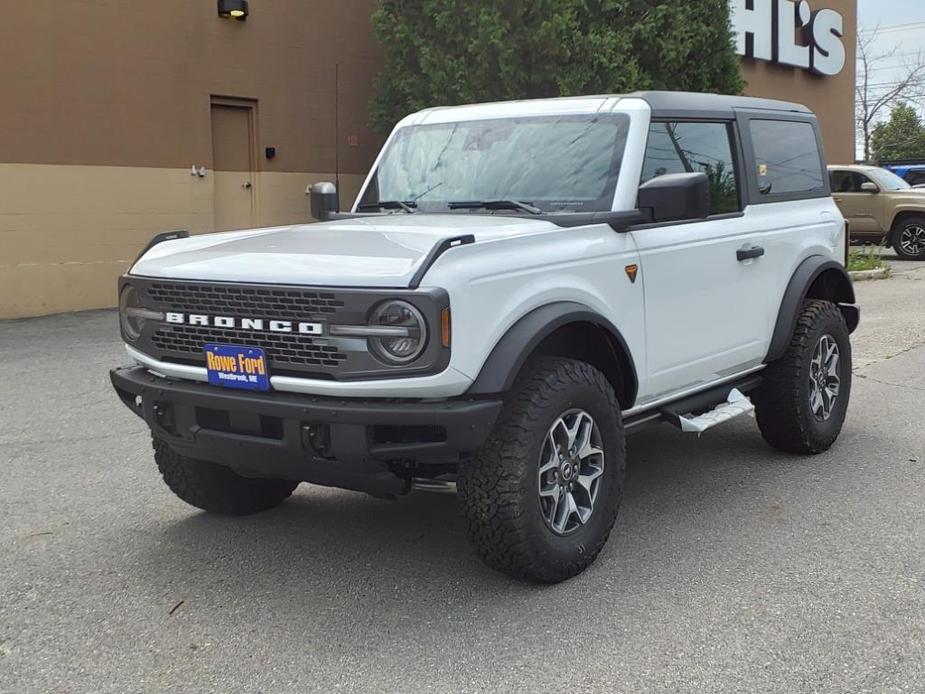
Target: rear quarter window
{"points": [[787, 158]]}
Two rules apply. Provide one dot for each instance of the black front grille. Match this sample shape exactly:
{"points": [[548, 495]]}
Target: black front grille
{"points": [[283, 349], [245, 302], [288, 353], [323, 356]]}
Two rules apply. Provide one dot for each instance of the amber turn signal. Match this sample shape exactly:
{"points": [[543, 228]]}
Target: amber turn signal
{"points": [[445, 327]]}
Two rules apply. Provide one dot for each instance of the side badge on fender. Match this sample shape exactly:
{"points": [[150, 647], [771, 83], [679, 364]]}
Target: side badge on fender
{"points": [[631, 272]]}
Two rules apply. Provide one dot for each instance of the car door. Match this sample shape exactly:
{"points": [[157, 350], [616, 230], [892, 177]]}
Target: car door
{"points": [[705, 289], [859, 207]]}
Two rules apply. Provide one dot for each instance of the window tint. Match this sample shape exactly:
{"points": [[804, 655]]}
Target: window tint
{"points": [[787, 157], [843, 182], [695, 147], [848, 181]]}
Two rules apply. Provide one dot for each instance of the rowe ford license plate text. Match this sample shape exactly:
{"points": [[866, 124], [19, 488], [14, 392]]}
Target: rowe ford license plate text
{"points": [[237, 367]]}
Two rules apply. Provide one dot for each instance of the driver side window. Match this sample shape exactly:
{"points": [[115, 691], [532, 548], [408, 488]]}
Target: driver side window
{"points": [[859, 180], [843, 182], [679, 147], [848, 181]]}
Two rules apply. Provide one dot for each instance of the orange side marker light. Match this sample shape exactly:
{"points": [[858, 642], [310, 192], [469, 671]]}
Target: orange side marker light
{"points": [[445, 327]]}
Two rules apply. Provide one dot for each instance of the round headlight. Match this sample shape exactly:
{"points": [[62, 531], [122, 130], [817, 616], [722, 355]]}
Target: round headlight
{"points": [[133, 315], [404, 332]]}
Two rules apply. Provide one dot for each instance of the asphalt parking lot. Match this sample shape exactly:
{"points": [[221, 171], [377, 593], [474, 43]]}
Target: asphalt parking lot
{"points": [[733, 568]]}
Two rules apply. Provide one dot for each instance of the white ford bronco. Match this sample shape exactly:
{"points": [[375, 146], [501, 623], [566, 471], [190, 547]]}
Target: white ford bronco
{"points": [[517, 287]]}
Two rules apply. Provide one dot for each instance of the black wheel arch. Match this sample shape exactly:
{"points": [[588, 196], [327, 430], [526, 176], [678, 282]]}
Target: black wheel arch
{"points": [[567, 329], [817, 277]]}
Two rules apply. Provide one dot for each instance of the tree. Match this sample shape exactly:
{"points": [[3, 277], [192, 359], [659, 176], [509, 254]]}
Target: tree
{"points": [[875, 93], [901, 137], [444, 52]]}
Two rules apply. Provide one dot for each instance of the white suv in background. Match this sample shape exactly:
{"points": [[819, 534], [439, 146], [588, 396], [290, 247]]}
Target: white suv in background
{"points": [[517, 288]]}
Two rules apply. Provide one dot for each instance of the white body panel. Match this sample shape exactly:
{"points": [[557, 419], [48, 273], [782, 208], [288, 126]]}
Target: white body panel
{"points": [[709, 315], [694, 316], [381, 251], [493, 285]]}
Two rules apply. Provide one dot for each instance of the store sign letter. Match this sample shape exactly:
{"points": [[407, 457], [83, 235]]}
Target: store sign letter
{"points": [[788, 32]]}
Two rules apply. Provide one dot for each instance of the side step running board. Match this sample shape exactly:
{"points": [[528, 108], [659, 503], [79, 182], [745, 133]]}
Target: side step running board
{"points": [[737, 404], [706, 410]]}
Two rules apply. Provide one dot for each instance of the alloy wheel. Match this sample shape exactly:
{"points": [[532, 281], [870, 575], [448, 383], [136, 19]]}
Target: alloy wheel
{"points": [[912, 239], [824, 381], [570, 468]]}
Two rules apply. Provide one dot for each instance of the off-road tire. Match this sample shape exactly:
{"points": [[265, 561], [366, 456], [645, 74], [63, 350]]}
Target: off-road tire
{"points": [[215, 488], [498, 489], [896, 238], [782, 403]]}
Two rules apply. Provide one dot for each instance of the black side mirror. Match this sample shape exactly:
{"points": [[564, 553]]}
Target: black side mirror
{"points": [[674, 197], [324, 200]]}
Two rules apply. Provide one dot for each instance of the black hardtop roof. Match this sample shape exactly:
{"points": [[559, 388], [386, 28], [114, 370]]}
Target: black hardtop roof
{"points": [[696, 103]]}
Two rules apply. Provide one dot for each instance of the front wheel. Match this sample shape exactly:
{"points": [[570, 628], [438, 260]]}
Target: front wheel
{"points": [[803, 400], [909, 238], [542, 495]]}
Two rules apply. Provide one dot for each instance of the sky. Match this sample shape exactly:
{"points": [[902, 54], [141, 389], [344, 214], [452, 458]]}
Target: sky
{"points": [[899, 24], [890, 13]]}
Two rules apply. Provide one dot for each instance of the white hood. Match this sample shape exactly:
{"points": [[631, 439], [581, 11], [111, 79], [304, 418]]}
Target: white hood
{"points": [[379, 251]]}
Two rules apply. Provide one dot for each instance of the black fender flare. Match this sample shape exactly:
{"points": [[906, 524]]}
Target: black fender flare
{"points": [[811, 269], [519, 342]]}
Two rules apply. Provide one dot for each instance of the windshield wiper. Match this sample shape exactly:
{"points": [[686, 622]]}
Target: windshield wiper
{"points": [[494, 205], [409, 207]]}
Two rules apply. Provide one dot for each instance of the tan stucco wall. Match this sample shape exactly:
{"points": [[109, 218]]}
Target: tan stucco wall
{"points": [[105, 106], [68, 231], [831, 98]]}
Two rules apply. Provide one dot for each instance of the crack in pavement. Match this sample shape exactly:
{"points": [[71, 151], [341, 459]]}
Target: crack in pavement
{"points": [[879, 360], [888, 383]]}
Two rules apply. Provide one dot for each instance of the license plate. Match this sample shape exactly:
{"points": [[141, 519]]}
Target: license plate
{"points": [[234, 366]]}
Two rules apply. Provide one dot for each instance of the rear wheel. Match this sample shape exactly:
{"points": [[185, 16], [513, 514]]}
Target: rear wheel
{"points": [[541, 497], [216, 488], [803, 399], [909, 238]]}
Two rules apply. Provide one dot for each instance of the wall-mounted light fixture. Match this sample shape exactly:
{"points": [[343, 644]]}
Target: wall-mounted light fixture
{"points": [[233, 9]]}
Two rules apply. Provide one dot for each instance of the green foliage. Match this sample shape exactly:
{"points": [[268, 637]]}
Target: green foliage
{"points": [[901, 137], [445, 52], [724, 196], [864, 258]]}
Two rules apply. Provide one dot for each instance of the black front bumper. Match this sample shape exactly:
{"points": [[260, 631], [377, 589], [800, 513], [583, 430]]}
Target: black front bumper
{"points": [[349, 443]]}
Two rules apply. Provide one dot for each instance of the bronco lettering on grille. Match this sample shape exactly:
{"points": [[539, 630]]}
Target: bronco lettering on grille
{"points": [[256, 324]]}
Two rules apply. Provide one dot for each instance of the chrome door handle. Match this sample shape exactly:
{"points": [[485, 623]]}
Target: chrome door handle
{"points": [[246, 185], [749, 253]]}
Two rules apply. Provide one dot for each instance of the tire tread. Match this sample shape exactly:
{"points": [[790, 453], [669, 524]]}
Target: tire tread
{"points": [[215, 488], [781, 408], [500, 527]]}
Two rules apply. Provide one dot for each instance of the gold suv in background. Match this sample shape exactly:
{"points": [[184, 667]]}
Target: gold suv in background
{"points": [[880, 207]]}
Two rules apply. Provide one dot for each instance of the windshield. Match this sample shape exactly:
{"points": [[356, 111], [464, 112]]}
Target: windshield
{"points": [[554, 163], [887, 180]]}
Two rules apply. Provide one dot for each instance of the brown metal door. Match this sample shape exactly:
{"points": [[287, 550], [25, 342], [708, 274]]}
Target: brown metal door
{"points": [[233, 166]]}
